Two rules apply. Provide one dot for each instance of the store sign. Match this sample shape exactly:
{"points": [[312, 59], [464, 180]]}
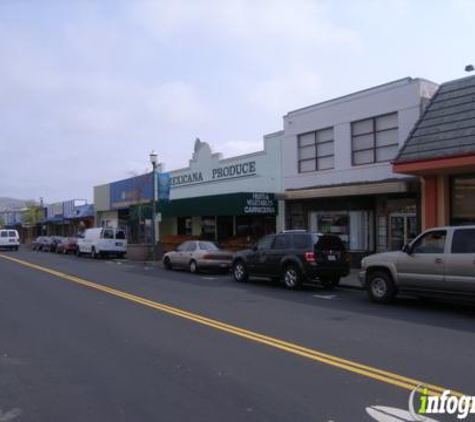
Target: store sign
{"points": [[260, 203], [232, 171]]}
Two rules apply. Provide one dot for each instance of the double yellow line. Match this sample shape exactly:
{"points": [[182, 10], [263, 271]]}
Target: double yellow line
{"points": [[351, 366]]}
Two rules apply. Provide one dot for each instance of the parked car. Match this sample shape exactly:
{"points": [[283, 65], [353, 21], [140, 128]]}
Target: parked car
{"points": [[440, 262], [52, 243], [67, 245], [197, 255], [39, 242], [100, 242], [9, 239], [294, 257]]}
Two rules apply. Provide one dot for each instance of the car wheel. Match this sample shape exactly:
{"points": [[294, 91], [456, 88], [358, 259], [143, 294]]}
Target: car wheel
{"points": [[167, 263], [330, 282], [240, 272], [193, 267], [291, 277], [380, 287], [78, 252]]}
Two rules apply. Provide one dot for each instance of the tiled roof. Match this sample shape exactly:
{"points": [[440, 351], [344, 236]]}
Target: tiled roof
{"points": [[447, 127]]}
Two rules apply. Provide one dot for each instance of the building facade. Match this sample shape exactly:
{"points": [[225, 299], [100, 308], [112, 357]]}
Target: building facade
{"points": [[441, 151], [213, 197], [337, 173]]}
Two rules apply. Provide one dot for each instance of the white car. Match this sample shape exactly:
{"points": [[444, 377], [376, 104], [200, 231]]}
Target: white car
{"points": [[9, 239], [100, 242]]}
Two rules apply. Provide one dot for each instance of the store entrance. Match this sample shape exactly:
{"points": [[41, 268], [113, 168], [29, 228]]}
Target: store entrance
{"points": [[402, 229]]}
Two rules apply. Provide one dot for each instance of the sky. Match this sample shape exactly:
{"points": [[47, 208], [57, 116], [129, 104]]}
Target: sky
{"points": [[89, 88]]}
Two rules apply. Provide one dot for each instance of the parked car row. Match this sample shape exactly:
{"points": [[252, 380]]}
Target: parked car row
{"points": [[439, 262], [293, 257], [57, 244], [96, 242]]}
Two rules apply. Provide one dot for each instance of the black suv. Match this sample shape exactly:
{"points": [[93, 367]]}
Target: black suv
{"points": [[294, 257]]}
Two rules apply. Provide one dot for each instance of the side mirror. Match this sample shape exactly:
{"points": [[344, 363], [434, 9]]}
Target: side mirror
{"points": [[407, 249]]}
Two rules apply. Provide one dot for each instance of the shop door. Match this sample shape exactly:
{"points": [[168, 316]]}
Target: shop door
{"points": [[402, 229]]}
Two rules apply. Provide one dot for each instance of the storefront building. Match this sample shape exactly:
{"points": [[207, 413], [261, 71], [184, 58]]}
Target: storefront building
{"points": [[232, 201], [67, 218], [337, 172], [441, 151]]}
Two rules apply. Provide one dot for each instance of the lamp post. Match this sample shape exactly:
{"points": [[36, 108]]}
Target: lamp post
{"points": [[154, 161]]}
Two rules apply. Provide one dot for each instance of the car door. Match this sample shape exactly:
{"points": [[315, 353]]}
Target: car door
{"points": [[257, 259], [189, 252], [460, 269], [423, 266], [273, 258], [178, 256]]}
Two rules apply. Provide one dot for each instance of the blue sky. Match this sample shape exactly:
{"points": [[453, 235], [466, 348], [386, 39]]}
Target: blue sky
{"points": [[89, 88]]}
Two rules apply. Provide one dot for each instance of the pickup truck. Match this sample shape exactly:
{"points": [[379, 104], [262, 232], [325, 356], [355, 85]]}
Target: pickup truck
{"points": [[438, 262]]}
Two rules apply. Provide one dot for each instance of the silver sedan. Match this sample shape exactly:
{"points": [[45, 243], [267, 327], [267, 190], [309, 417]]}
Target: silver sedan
{"points": [[197, 255]]}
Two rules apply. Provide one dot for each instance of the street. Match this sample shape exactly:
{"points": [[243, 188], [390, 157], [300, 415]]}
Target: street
{"points": [[111, 340]]}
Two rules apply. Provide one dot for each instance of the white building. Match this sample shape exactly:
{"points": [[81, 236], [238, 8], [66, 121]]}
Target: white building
{"points": [[337, 172]]}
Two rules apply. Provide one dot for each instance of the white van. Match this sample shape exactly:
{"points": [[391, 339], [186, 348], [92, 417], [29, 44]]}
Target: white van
{"points": [[99, 242], [9, 239]]}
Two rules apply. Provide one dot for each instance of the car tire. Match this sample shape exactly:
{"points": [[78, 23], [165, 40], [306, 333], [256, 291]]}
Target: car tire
{"points": [[193, 267], [380, 287], [240, 273], [291, 277], [167, 263], [330, 282]]}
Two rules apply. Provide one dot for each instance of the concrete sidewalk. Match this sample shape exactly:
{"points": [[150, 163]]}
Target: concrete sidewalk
{"points": [[351, 281]]}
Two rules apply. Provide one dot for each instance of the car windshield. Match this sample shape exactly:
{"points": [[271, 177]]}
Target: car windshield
{"points": [[208, 246]]}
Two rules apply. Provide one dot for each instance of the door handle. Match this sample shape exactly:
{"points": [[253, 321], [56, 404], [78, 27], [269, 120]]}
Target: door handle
{"points": [[439, 260]]}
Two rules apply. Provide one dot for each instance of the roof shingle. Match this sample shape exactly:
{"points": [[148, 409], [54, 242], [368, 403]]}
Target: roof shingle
{"points": [[447, 127]]}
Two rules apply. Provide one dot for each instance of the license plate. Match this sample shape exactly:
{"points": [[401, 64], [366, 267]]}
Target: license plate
{"points": [[118, 244], [331, 257]]}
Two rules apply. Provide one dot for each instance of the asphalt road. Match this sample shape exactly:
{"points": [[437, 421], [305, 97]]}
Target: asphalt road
{"points": [[135, 346]]}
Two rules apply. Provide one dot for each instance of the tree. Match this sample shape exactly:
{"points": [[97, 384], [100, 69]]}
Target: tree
{"points": [[32, 216]]}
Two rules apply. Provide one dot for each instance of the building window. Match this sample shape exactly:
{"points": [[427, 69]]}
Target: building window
{"points": [[374, 140], [316, 151], [463, 200]]}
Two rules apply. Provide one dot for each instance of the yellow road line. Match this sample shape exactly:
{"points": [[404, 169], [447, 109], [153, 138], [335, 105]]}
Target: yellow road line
{"points": [[355, 367]]}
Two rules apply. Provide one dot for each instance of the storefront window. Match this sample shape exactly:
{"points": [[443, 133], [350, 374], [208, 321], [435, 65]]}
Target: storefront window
{"points": [[208, 228], [353, 227], [185, 225], [463, 200]]}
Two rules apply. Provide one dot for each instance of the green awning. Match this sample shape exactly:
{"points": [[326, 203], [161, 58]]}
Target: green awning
{"points": [[233, 204]]}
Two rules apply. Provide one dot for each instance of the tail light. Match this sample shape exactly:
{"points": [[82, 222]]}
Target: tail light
{"points": [[309, 257], [208, 256]]}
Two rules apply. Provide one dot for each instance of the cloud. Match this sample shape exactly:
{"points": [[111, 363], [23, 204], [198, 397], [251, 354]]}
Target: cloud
{"points": [[178, 103], [282, 92], [232, 148]]}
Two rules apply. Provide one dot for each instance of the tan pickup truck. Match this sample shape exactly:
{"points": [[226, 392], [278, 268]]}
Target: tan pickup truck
{"points": [[440, 262]]}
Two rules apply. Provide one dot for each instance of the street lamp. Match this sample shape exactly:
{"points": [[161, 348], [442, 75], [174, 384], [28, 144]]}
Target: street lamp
{"points": [[154, 161]]}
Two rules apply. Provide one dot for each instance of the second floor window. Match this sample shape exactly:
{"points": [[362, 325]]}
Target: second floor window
{"points": [[316, 150], [374, 140]]}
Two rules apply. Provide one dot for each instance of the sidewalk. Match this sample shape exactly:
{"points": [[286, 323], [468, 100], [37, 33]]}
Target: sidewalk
{"points": [[351, 281]]}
